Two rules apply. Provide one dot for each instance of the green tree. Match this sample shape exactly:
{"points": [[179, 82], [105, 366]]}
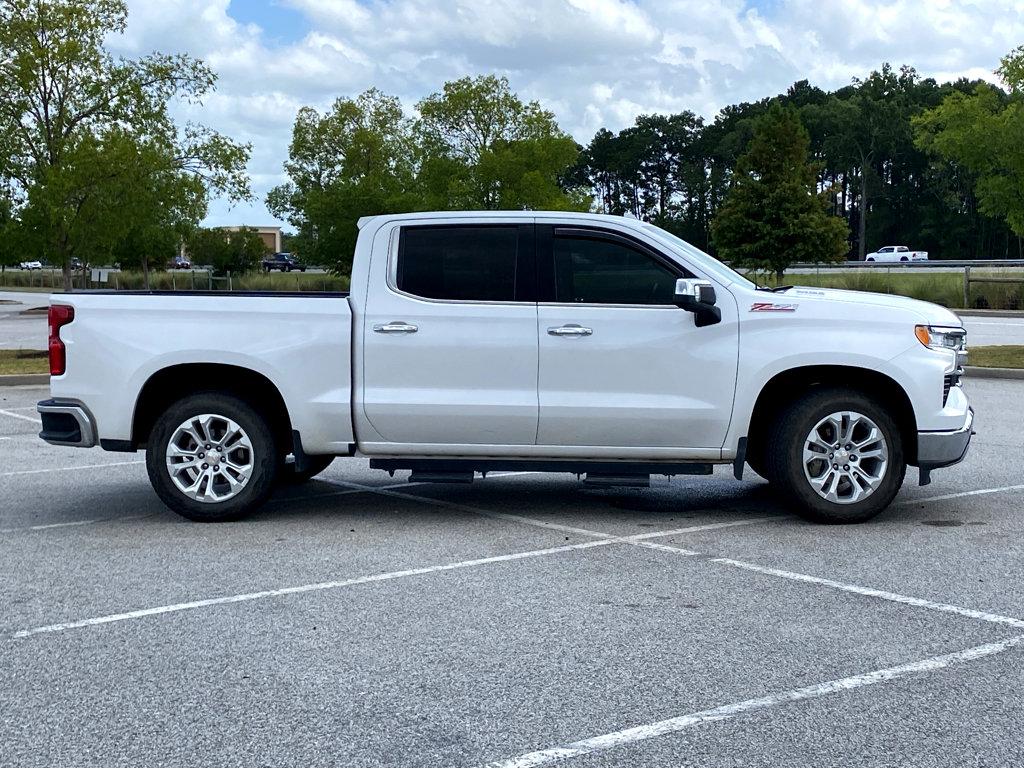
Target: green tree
{"points": [[772, 215], [235, 251], [482, 147], [67, 110], [982, 132], [356, 160]]}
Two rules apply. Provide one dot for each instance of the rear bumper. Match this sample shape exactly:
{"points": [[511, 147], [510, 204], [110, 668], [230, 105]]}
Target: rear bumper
{"points": [[943, 448], [66, 424]]}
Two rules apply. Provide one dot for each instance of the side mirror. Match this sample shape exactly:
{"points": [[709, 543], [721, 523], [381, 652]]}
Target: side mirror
{"points": [[698, 297]]}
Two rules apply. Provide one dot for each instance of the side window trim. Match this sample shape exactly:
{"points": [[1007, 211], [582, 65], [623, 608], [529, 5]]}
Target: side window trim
{"points": [[526, 259], [546, 234]]}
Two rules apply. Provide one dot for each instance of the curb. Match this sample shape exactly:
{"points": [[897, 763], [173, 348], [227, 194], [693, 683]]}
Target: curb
{"points": [[9, 380], [981, 372]]}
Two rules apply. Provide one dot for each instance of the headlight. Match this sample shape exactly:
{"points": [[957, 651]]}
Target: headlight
{"points": [[942, 337]]}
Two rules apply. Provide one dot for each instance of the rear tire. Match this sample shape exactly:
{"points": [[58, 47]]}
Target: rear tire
{"points": [[850, 482], [287, 475], [211, 457]]}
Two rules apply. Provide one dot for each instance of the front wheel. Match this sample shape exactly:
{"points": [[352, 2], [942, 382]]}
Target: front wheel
{"points": [[837, 455], [211, 457]]}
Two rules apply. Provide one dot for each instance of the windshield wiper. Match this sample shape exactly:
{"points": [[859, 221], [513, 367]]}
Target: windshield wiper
{"points": [[780, 289]]}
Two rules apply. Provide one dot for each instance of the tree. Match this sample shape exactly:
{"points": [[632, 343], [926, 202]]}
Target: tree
{"points": [[483, 147], [981, 132], [68, 110], [235, 251], [772, 215], [356, 160]]}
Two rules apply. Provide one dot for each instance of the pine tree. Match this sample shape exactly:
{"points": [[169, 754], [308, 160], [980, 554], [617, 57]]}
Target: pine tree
{"points": [[772, 215]]}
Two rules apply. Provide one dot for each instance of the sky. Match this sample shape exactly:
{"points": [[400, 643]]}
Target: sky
{"points": [[593, 63]]}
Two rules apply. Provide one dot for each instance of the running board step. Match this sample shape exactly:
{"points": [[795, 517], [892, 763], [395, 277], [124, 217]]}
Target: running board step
{"points": [[419, 476], [606, 480]]}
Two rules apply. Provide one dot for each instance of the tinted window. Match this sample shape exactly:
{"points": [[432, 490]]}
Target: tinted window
{"points": [[596, 271], [458, 262]]}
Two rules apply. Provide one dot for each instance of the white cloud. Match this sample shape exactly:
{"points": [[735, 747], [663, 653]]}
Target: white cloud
{"points": [[594, 62]]}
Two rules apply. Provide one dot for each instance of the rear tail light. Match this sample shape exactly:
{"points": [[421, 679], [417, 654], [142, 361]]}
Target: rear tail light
{"points": [[60, 315]]}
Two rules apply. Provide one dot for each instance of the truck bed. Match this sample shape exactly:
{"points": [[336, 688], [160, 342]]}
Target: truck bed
{"points": [[301, 342]]}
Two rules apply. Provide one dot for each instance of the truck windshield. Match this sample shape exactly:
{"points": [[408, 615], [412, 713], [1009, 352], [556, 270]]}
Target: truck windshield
{"points": [[705, 261]]}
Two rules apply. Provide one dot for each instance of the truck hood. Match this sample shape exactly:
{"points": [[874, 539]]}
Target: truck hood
{"points": [[929, 313]]}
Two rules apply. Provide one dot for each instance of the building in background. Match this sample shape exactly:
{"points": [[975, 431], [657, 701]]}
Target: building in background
{"points": [[271, 236]]}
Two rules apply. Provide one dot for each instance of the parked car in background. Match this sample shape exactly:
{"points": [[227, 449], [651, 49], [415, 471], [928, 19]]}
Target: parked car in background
{"points": [[284, 262], [896, 254], [34, 264], [77, 264], [180, 263], [515, 340]]}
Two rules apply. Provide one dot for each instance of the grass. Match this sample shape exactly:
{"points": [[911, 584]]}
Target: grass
{"points": [[24, 362], [945, 288], [200, 280], [997, 356]]}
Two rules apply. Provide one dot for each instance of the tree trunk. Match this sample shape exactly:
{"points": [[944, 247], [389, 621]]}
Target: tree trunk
{"points": [[862, 225], [145, 273]]}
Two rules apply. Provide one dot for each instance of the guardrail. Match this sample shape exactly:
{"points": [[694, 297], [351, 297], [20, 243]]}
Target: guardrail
{"points": [[932, 263]]}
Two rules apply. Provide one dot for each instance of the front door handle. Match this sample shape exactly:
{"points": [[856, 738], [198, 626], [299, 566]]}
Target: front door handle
{"points": [[570, 329], [396, 327]]}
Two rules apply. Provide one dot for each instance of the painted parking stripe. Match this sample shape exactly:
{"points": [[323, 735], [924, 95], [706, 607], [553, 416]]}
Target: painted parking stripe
{"points": [[959, 494], [320, 586], [885, 595], [725, 712], [643, 540], [34, 420], [68, 469]]}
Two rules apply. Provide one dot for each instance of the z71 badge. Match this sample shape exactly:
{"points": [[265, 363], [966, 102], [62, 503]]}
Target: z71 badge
{"points": [[772, 307]]}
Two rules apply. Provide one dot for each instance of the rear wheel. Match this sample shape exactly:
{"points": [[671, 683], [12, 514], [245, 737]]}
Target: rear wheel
{"points": [[838, 455], [211, 457]]}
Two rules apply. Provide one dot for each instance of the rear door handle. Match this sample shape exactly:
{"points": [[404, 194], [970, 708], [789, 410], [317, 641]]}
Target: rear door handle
{"points": [[570, 329], [396, 327]]}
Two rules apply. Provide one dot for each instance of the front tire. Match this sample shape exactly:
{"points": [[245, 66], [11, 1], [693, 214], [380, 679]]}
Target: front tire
{"points": [[837, 455], [211, 457]]}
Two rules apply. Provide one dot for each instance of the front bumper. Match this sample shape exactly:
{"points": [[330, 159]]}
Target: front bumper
{"points": [[66, 424], [943, 448]]}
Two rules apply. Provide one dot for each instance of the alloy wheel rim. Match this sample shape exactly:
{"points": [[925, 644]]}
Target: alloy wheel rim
{"points": [[845, 457], [209, 458]]}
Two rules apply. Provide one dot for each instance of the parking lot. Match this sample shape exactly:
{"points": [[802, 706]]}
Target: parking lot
{"points": [[525, 619]]}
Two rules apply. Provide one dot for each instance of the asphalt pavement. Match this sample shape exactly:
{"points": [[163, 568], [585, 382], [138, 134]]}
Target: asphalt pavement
{"points": [[522, 620]]}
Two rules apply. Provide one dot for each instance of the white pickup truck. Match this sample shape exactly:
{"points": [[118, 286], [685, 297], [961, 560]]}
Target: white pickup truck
{"points": [[896, 254], [477, 342]]}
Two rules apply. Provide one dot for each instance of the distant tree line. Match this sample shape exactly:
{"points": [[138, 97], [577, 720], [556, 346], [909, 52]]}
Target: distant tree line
{"points": [[896, 158], [92, 165]]}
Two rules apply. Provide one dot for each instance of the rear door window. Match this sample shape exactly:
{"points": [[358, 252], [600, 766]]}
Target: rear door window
{"points": [[459, 262]]}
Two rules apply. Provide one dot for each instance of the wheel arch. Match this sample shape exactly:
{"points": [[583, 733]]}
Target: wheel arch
{"points": [[172, 383], [788, 385]]}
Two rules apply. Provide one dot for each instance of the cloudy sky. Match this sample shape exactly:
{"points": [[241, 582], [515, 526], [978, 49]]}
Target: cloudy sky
{"points": [[593, 62]]}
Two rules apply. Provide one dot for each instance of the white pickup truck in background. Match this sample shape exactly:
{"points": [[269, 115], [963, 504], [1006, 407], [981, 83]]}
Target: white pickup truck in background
{"points": [[476, 342], [896, 254]]}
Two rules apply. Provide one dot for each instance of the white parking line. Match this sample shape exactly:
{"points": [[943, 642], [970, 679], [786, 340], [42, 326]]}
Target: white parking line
{"points": [[65, 524], [171, 608], [34, 420], [725, 712], [68, 469], [976, 492], [885, 595]]}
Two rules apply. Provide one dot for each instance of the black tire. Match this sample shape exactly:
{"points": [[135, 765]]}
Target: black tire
{"points": [[784, 456], [287, 475], [263, 458]]}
